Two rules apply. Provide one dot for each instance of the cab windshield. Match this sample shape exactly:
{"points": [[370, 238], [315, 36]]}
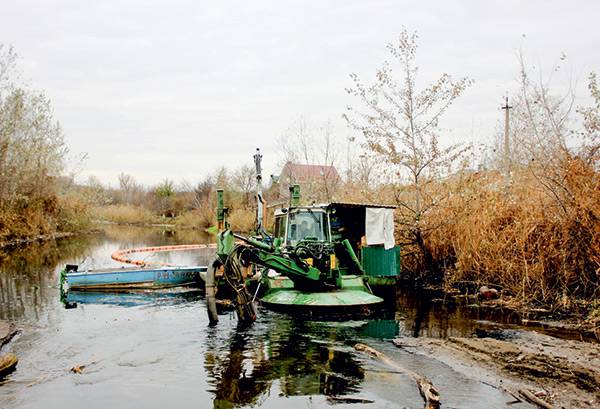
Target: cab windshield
{"points": [[307, 224]]}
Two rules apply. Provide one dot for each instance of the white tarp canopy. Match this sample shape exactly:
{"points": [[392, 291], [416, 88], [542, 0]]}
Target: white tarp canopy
{"points": [[379, 226]]}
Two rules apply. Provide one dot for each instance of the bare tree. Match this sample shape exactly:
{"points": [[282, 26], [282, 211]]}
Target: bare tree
{"points": [[244, 181], [329, 153], [547, 139], [590, 135], [400, 124], [304, 144], [130, 189], [32, 148], [8, 71], [296, 143]]}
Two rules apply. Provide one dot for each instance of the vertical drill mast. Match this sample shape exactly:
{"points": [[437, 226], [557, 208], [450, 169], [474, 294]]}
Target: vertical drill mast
{"points": [[260, 228]]}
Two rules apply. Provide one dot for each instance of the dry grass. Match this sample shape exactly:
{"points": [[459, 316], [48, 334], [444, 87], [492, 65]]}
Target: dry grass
{"points": [[138, 215], [242, 220], [126, 214], [73, 214], [539, 249], [42, 217], [196, 219]]}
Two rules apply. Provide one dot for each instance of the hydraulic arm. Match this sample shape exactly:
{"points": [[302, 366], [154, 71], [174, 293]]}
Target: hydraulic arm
{"points": [[292, 264]]}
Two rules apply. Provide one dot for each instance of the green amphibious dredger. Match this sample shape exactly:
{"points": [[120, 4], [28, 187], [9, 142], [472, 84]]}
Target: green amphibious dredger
{"points": [[320, 259]]}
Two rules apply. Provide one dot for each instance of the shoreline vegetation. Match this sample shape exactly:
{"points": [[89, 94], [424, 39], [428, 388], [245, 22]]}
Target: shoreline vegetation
{"points": [[525, 222], [45, 237]]}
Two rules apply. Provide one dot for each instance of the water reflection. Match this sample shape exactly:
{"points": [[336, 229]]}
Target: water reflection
{"points": [[29, 274], [28, 279], [422, 315], [284, 354], [137, 298]]}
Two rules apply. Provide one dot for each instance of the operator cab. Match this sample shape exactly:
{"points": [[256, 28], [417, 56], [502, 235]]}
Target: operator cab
{"points": [[301, 223]]}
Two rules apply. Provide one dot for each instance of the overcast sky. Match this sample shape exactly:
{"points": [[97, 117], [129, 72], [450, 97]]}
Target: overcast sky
{"points": [[177, 88]]}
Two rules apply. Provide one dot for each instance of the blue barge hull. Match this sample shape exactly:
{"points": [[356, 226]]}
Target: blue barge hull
{"points": [[132, 278]]}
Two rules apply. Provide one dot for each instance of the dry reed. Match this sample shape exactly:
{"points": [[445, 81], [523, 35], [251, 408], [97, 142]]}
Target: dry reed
{"points": [[537, 248]]}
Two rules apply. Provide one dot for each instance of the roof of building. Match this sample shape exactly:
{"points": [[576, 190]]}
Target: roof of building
{"points": [[302, 172]]}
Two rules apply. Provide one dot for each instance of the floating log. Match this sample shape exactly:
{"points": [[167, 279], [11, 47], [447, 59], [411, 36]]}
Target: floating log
{"points": [[8, 363], [428, 392]]}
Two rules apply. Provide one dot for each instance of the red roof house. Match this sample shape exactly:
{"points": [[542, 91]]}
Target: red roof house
{"points": [[313, 179]]}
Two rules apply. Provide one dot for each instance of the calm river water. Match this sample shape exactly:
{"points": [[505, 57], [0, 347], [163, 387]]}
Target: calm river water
{"points": [[157, 350]]}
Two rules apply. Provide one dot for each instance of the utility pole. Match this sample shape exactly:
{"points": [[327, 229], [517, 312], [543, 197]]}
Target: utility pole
{"points": [[507, 166]]}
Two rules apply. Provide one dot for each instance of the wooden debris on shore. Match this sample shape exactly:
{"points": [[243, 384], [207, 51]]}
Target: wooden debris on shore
{"points": [[348, 400], [78, 369], [428, 392], [7, 332], [531, 398], [8, 363]]}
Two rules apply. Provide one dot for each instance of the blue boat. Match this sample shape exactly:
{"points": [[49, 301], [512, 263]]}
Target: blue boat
{"points": [[136, 298], [131, 278]]}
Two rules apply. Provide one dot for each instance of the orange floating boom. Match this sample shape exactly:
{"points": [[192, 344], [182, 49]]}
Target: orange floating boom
{"points": [[121, 255]]}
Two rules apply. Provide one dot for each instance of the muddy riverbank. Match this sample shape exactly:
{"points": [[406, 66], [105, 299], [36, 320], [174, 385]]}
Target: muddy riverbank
{"points": [[565, 373]]}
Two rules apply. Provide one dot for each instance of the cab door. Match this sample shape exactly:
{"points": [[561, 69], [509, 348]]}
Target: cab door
{"points": [[280, 226]]}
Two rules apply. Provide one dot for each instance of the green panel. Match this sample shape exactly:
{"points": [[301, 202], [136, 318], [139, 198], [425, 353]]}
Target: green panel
{"points": [[336, 298], [381, 281], [379, 262], [382, 329]]}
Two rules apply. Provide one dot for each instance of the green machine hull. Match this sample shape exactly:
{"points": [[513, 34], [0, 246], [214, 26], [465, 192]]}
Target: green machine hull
{"points": [[382, 267], [352, 296]]}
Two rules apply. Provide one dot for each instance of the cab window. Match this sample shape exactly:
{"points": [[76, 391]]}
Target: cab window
{"points": [[306, 224], [280, 227]]}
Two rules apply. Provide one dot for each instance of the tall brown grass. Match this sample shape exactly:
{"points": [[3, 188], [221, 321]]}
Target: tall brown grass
{"points": [[242, 220], [126, 214], [537, 248], [36, 217]]}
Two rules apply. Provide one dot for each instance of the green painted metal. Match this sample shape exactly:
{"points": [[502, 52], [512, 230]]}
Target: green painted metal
{"points": [[379, 262], [256, 243], [290, 267], [325, 299], [221, 210], [382, 329], [381, 281], [225, 243], [225, 239], [353, 293], [295, 195], [350, 251]]}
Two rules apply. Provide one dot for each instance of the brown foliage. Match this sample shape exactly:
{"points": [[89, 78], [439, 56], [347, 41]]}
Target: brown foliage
{"points": [[523, 240], [32, 155]]}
